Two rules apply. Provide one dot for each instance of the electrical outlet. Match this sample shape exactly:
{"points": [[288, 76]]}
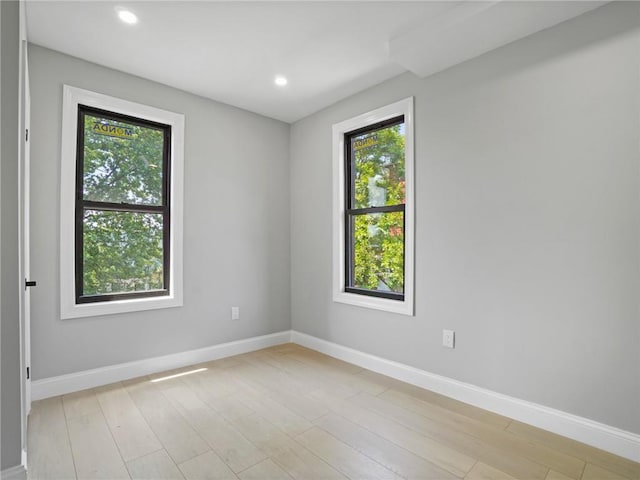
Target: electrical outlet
{"points": [[235, 313], [448, 338]]}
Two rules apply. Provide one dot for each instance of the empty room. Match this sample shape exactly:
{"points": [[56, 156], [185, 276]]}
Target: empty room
{"points": [[313, 240]]}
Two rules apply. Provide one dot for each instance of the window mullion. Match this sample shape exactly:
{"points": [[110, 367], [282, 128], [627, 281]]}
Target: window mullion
{"points": [[384, 209], [122, 207]]}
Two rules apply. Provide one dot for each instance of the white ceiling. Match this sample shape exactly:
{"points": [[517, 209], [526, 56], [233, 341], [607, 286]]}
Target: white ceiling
{"points": [[231, 51]]}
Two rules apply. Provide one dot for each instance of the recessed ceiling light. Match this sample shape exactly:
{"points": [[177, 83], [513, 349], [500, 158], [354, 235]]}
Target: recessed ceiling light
{"points": [[127, 16], [280, 80]]}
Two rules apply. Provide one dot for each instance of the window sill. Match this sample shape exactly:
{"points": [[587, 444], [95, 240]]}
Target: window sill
{"points": [[118, 306], [403, 307]]}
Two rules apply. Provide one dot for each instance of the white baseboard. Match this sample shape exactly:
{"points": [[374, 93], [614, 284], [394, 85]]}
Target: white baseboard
{"points": [[612, 439], [73, 382], [19, 472]]}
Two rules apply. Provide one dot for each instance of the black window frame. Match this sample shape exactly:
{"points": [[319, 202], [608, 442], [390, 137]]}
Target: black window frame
{"points": [[81, 205], [350, 213]]}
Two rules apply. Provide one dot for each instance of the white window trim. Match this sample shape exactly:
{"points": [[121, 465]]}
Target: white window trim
{"points": [[406, 307], [72, 97]]}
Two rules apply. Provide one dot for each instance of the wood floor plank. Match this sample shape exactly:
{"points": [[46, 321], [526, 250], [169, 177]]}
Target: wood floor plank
{"points": [[608, 461], [302, 464], [48, 444], [470, 411], [431, 450], [261, 359], [188, 404], [288, 392], [211, 384], [179, 439], [553, 475], [382, 380], [292, 457], [280, 388], [215, 389], [386, 453], [95, 453], [334, 363], [207, 466], [80, 403], [481, 471], [311, 378], [235, 450], [281, 416], [417, 413], [229, 408], [265, 470], [593, 472], [337, 375], [131, 432], [186, 448], [342, 457], [224, 439], [266, 436], [459, 441], [154, 466]]}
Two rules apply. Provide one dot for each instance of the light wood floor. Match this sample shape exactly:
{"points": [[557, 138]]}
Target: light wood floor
{"points": [[288, 412]]}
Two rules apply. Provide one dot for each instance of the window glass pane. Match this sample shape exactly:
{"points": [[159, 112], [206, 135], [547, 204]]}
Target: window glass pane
{"points": [[122, 252], [378, 251], [378, 167], [122, 162]]}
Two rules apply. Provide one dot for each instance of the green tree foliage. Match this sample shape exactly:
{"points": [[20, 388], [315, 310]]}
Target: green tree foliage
{"points": [[122, 251], [120, 169], [379, 180]]}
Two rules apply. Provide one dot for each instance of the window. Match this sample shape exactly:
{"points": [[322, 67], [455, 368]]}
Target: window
{"points": [[374, 214], [121, 206], [373, 209]]}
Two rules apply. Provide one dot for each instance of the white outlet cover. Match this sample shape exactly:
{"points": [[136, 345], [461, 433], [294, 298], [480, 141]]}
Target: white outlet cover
{"points": [[448, 338], [235, 313]]}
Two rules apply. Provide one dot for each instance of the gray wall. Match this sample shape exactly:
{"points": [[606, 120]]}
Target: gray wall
{"points": [[527, 221], [236, 226], [10, 333]]}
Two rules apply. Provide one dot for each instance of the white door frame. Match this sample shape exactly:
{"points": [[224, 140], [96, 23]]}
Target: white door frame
{"points": [[24, 110]]}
